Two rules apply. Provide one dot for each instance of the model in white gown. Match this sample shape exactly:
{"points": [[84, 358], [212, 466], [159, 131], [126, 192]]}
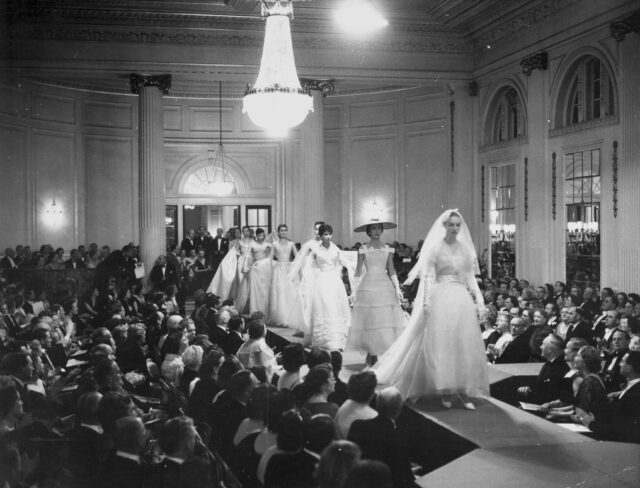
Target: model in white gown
{"points": [[285, 309], [260, 276], [377, 319], [441, 351], [224, 280], [330, 313], [243, 275]]}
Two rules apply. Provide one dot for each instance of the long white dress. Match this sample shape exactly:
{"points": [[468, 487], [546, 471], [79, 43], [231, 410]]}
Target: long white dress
{"points": [[285, 308], [441, 350], [260, 278], [377, 319], [330, 314], [223, 283], [243, 276]]}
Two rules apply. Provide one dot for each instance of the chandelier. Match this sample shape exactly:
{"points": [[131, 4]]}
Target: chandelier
{"points": [[277, 102], [218, 184]]}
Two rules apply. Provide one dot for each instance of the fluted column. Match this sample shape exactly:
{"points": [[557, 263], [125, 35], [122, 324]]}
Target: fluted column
{"points": [[309, 187], [151, 166], [625, 233]]}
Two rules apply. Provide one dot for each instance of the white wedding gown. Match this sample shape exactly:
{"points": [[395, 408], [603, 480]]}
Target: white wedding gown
{"points": [[441, 350]]}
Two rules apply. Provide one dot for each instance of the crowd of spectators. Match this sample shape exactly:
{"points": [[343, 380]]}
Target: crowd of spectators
{"points": [[123, 387]]}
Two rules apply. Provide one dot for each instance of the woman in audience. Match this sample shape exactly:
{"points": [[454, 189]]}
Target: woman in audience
{"points": [[11, 407], [591, 394], [293, 358], [540, 318], [255, 351], [320, 383], [495, 350], [336, 462], [192, 359]]}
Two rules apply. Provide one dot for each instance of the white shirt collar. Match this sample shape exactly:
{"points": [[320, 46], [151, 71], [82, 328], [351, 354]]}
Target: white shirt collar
{"points": [[174, 459], [95, 428], [628, 387], [126, 455]]}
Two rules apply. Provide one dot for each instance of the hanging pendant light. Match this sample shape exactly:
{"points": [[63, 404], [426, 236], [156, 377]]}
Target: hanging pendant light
{"points": [[218, 184], [277, 102]]}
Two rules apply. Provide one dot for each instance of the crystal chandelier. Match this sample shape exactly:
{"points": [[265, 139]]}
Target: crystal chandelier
{"points": [[218, 184], [277, 102]]}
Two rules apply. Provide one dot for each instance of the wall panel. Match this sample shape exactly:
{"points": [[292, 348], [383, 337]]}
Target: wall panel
{"points": [[374, 114], [97, 113], [110, 188], [53, 108], [14, 191]]}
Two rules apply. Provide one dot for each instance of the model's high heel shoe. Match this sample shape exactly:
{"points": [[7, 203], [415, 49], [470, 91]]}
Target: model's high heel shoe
{"points": [[466, 403]]}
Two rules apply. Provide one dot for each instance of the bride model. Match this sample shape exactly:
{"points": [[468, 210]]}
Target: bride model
{"points": [[284, 293], [260, 282], [377, 319], [441, 352]]}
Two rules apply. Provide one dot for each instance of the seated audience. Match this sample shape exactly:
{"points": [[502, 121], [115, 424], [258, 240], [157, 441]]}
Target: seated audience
{"points": [[336, 461], [361, 389], [255, 351], [320, 383], [550, 379]]}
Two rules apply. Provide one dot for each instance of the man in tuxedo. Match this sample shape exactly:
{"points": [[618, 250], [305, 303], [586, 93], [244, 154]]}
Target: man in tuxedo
{"points": [[590, 302], [124, 468], [9, 266], [611, 374], [87, 440], [163, 274], [518, 350], [603, 333], [74, 261], [236, 331], [578, 326], [218, 330], [380, 439], [201, 270], [217, 249], [550, 379], [188, 243], [180, 468], [599, 323], [558, 290], [624, 423]]}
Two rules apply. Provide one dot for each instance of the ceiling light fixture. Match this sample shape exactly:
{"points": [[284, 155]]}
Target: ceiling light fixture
{"points": [[277, 101], [218, 183], [358, 17]]}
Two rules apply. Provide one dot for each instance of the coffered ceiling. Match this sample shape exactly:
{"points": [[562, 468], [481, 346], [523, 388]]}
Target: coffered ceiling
{"points": [[97, 44]]}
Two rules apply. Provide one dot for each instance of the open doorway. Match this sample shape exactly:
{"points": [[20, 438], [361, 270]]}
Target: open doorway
{"points": [[210, 217]]}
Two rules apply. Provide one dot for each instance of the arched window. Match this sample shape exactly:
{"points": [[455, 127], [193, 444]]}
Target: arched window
{"points": [[210, 181], [590, 94], [506, 117]]}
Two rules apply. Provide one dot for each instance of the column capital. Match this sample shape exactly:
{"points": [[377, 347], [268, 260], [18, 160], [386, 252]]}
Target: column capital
{"points": [[140, 81], [539, 60], [326, 86], [620, 28]]}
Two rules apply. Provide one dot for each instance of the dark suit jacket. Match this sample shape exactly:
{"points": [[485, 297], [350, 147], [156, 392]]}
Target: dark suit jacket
{"points": [[518, 350], [160, 282], [68, 264], [550, 381], [624, 423], [187, 245], [224, 417], [291, 471], [379, 439], [201, 397], [121, 472], [130, 357], [220, 337], [193, 473], [234, 341], [580, 329], [611, 377]]}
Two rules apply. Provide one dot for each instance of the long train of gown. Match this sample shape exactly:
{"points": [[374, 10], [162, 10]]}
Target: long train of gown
{"points": [[377, 319], [441, 352], [285, 307], [223, 283]]}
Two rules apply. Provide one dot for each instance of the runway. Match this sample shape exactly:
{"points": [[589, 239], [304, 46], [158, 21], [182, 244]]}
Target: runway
{"points": [[498, 445]]}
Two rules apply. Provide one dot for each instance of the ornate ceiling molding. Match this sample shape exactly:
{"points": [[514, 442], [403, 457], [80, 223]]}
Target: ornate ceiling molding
{"points": [[620, 28], [253, 39]]}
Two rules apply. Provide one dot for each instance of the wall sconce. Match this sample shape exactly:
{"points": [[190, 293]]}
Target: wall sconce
{"points": [[53, 214]]}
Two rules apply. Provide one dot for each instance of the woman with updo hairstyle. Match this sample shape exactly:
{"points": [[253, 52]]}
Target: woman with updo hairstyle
{"points": [[330, 313], [377, 319], [293, 358], [11, 407], [320, 383], [336, 463]]}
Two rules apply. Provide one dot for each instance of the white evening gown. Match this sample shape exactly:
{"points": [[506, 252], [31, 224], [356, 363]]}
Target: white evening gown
{"points": [[377, 319], [440, 351], [243, 277], [223, 283], [330, 312], [260, 281], [285, 307]]}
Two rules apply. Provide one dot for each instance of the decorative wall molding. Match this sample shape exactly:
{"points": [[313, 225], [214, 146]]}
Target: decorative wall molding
{"points": [[620, 28], [614, 175], [452, 109], [554, 185], [539, 60], [518, 141], [482, 196], [526, 189], [327, 87], [140, 81], [591, 124], [235, 39]]}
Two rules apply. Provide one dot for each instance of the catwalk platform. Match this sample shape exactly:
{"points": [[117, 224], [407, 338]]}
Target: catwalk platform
{"points": [[498, 445]]}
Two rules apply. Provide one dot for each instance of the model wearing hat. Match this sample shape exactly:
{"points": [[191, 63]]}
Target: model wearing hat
{"points": [[377, 318]]}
